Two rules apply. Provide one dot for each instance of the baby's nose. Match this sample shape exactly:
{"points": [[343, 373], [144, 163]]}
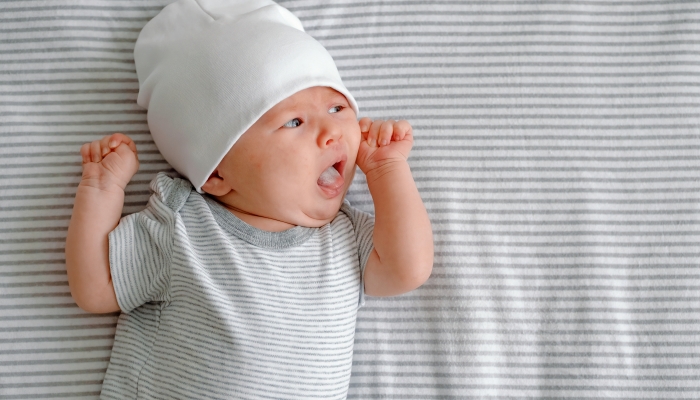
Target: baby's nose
{"points": [[330, 133]]}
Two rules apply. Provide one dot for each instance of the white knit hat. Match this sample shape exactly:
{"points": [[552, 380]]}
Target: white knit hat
{"points": [[208, 69]]}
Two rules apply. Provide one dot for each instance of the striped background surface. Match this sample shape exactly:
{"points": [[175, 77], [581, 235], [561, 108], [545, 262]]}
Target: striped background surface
{"points": [[556, 152]]}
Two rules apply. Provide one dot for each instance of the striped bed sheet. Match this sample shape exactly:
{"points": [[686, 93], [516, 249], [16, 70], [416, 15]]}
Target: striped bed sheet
{"points": [[557, 152]]}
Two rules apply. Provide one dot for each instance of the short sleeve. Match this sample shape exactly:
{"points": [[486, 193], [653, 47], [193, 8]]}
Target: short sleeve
{"points": [[363, 225], [140, 247]]}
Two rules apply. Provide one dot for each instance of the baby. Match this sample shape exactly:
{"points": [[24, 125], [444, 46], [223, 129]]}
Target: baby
{"points": [[244, 280]]}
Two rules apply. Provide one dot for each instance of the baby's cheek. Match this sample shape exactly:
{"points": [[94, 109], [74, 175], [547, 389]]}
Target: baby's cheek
{"points": [[257, 165], [292, 168], [354, 138]]}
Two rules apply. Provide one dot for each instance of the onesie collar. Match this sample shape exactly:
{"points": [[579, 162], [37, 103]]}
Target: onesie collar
{"points": [[258, 237]]}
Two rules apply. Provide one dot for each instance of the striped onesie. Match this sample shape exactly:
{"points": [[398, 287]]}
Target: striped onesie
{"points": [[215, 308]]}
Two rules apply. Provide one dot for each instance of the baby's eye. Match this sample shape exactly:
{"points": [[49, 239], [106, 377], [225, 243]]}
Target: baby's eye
{"points": [[338, 108], [293, 123]]}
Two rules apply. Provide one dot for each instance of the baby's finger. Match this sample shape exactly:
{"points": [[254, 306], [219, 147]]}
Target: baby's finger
{"points": [[385, 132], [95, 151], [401, 128], [365, 123], [374, 133], [119, 138], [85, 152], [104, 146]]}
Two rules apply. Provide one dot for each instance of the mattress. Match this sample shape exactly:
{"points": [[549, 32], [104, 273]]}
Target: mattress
{"points": [[556, 151]]}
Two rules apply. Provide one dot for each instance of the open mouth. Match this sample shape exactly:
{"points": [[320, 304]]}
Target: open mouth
{"points": [[339, 166], [331, 179]]}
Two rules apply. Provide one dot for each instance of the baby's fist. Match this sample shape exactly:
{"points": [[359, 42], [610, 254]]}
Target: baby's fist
{"points": [[383, 142], [110, 160], [381, 133]]}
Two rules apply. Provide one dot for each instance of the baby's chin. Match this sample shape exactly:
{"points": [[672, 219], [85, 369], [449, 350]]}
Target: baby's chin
{"points": [[316, 217]]}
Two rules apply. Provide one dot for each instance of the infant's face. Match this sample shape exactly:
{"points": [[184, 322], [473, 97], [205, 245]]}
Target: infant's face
{"points": [[273, 169]]}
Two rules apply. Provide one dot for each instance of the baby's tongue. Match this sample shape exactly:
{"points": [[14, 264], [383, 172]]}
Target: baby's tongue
{"points": [[330, 178]]}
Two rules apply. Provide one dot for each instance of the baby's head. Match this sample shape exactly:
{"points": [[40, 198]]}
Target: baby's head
{"points": [[295, 163], [226, 83]]}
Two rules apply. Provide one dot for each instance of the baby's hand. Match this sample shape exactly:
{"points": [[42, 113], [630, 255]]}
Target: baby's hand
{"points": [[383, 142], [110, 160]]}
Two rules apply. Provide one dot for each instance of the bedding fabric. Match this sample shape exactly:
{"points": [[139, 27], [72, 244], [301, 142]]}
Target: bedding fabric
{"points": [[556, 152]]}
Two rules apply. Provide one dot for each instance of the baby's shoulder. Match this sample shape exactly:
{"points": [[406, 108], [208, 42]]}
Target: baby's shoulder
{"points": [[172, 191], [346, 211], [354, 215]]}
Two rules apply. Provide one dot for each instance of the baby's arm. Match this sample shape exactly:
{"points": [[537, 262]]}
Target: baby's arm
{"points": [[402, 258], [108, 165]]}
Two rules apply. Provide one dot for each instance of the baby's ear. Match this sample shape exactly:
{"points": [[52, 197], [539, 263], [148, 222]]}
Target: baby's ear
{"points": [[216, 185]]}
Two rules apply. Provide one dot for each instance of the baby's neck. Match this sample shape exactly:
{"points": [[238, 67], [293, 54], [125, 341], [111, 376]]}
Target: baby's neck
{"points": [[262, 223]]}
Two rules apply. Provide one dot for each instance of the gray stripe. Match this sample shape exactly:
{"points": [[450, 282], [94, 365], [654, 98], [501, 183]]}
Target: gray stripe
{"points": [[522, 311], [553, 277], [539, 330], [475, 211], [554, 169], [70, 38], [556, 365], [525, 96], [589, 158], [548, 354], [66, 49], [82, 7], [567, 43], [672, 223], [52, 384], [553, 297], [57, 81], [469, 136], [71, 18], [380, 66], [57, 350], [71, 102], [77, 91], [386, 56], [582, 127], [498, 287], [510, 23], [538, 388], [51, 395], [129, 61], [559, 180], [62, 70], [528, 75], [360, 4], [374, 35], [74, 28], [572, 223], [530, 343], [34, 273], [50, 373], [501, 396], [40, 329], [130, 132], [538, 116], [574, 233], [508, 13], [91, 112], [52, 362]]}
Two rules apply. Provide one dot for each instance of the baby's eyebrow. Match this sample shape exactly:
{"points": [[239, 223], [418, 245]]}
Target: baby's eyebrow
{"points": [[340, 98]]}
